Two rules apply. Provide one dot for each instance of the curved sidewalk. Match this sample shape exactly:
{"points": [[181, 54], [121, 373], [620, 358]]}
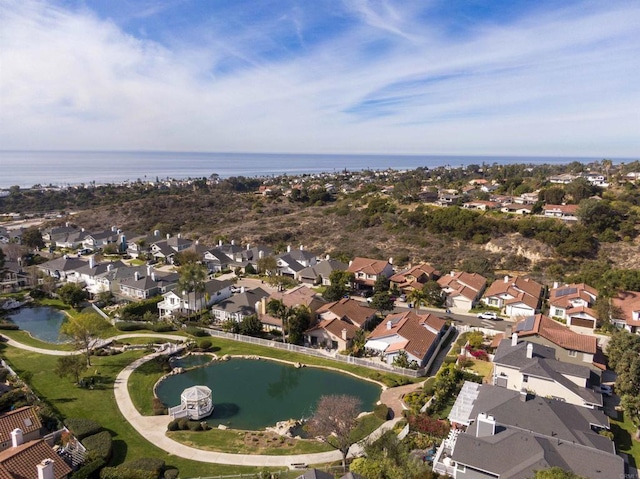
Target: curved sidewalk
{"points": [[153, 428]]}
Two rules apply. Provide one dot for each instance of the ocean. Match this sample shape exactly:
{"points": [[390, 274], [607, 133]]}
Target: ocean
{"points": [[29, 168]]}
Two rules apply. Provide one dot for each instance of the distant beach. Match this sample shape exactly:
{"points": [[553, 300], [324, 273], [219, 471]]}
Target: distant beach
{"points": [[61, 168]]}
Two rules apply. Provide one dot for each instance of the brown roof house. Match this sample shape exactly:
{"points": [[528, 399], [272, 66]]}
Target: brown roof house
{"points": [[416, 334], [299, 296], [463, 290], [26, 419], [415, 277], [515, 296], [573, 303], [338, 323], [366, 271], [570, 346], [31, 460], [628, 303]]}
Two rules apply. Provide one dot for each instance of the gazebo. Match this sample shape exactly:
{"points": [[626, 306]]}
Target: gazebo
{"points": [[195, 402]]}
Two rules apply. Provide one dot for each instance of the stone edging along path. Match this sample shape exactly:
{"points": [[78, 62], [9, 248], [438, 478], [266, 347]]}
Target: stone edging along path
{"points": [[153, 428]]}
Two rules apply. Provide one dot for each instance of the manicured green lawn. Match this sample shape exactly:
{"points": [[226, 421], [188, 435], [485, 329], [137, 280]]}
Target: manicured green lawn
{"points": [[624, 436], [99, 404], [25, 338], [482, 368]]}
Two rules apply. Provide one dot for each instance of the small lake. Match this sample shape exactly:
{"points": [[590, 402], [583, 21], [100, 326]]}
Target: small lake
{"points": [[254, 394], [42, 323]]}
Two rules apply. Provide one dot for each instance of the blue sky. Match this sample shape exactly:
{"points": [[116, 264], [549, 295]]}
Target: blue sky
{"points": [[497, 77]]}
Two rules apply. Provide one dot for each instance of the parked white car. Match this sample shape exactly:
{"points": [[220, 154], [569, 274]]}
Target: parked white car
{"points": [[488, 315]]}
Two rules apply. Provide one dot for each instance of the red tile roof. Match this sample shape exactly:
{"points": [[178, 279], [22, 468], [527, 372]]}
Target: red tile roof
{"points": [[335, 326], [411, 327], [559, 334], [458, 281], [628, 302], [349, 309], [367, 266], [20, 462], [583, 291], [25, 418]]}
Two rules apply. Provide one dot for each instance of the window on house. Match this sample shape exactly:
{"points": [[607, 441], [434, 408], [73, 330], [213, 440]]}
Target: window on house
{"points": [[461, 467], [525, 378], [572, 353]]}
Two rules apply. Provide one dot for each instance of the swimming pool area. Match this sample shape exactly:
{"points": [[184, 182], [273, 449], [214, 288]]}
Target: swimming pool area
{"points": [[41, 322], [253, 394]]}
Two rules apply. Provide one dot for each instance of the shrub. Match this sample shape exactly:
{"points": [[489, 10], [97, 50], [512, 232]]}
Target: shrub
{"points": [[194, 331], [138, 308], [130, 326], [9, 326], [151, 464], [381, 411], [158, 407], [429, 386], [183, 424], [171, 474], [450, 359], [4, 373], [173, 425], [126, 473], [87, 471], [194, 426], [99, 445], [429, 425], [14, 398], [205, 344], [161, 327], [81, 427]]}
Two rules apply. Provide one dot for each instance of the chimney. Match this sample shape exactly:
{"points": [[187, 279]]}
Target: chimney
{"points": [[260, 254], [168, 236], [555, 285], [66, 224], [301, 247], [506, 279], [16, 437], [109, 267], [219, 242], [82, 229], [242, 290], [529, 350], [248, 246], [156, 232], [288, 248], [153, 276], [350, 262], [263, 305], [136, 276], [179, 235], [233, 242], [327, 257], [452, 273], [197, 242], [514, 339], [390, 260], [258, 307], [92, 261], [113, 228], [148, 269], [344, 334], [524, 395], [389, 324], [486, 425], [45, 469]]}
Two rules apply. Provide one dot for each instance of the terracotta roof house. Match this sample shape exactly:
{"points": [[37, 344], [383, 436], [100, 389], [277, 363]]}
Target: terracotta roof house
{"points": [[320, 271], [298, 296], [31, 460], [238, 306], [414, 277], [628, 303], [565, 212], [331, 333], [366, 271], [515, 296], [417, 335], [573, 303], [522, 365], [570, 346], [511, 434], [463, 290], [347, 309], [24, 418], [481, 205]]}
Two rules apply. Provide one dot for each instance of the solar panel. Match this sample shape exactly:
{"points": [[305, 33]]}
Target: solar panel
{"points": [[526, 325], [565, 292]]}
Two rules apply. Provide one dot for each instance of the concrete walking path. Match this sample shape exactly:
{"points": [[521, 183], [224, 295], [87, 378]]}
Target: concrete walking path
{"points": [[153, 428]]}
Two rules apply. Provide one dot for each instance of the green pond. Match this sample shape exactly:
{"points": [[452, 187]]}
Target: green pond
{"points": [[253, 394]]}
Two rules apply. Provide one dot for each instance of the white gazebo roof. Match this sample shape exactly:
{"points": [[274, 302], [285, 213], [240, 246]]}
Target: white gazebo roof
{"points": [[195, 393]]}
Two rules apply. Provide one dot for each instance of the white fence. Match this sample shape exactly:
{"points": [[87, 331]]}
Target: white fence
{"points": [[367, 363]]}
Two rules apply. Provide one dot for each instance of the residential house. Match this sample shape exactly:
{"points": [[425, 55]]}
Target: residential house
{"points": [[506, 434], [366, 271], [143, 286], [573, 303], [242, 257], [481, 205], [338, 323], [414, 277], [294, 261], [215, 260], [462, 290], [516, 209], [416, 334], [448, 199], [141, 244], [177, 302], [33, 459], [100, 239], [527, 198], [165, 250], [562, 179], [24, 418], [627, 303], [565, 212], [67, 236], [527, 366], [515, 296], [13, 277], [92, 275], [596, 179], [571, 347], [299, 296], [320, 273], [63, 267], [239, 306]]}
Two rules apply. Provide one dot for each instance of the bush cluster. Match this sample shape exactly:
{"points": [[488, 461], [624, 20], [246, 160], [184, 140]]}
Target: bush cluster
{"points": [[381, 411], [99, 445], [9, 326], [185, 424], [88, 470], [81, 427], [195, 331]]}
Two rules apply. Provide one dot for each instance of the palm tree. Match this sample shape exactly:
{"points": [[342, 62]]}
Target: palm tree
{"points": [[417, 297], [192, 280], [279, 310], [607, 164]]}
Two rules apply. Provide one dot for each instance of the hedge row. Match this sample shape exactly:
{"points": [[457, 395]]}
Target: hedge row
{"points": [[9, 326], [185, 424], [81, 427], [140, 307], [125, 473], [99, 445], [87, 471], [194, 331], [139, 325]]}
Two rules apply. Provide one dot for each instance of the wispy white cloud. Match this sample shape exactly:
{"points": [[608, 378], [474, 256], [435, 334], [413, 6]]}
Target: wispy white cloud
{"points": [[374, 77]]}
